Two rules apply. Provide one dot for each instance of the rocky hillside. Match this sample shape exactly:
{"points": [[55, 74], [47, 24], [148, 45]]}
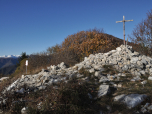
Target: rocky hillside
{"points": [[118, 81]]}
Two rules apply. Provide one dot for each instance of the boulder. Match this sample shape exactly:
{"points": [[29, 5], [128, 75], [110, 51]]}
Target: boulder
{"points": [[135, 54], [118, 49], [131, 100], [134, 60], [24, 110], [62, 65], [13, 85], [98, 67], [144, 61], [91, 70], [97, 73], [142, 72], [3, 78], [144, 82], [150, 78], [103, 90], [150, 70]]}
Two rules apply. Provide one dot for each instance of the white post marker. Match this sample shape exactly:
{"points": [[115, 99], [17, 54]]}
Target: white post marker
{"points": [[26, 63]]}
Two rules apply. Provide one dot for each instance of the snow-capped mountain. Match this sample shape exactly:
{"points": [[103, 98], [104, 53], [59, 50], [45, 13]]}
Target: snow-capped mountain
{"points": [[10, 56]]}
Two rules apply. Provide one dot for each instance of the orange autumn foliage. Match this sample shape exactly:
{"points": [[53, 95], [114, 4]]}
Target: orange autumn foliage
{"points": [[85, 43]]}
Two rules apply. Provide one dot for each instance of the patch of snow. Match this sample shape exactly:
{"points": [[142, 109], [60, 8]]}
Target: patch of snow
{"points": [[10, 56]]}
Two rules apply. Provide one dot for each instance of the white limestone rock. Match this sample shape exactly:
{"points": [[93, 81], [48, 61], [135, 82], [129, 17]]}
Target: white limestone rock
{"points": [[144, 61], [142, 72], [13, 85], [85, 58], [53, 67], [62, 65], [103, 90], [134, 60], [24, 110], [150, 78], [135, 54], [144, 82], [113, 51], [118, 48], [41, 87], [131, 100], [97, 73], [91, 70], [150, 70], [119, 85]]}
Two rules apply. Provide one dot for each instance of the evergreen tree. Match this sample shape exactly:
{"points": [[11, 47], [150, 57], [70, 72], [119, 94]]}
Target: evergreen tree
{"points": [[23, 56]]}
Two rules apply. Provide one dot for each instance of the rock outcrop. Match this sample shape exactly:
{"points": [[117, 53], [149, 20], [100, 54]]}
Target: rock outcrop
{"points": [[124, 58]]}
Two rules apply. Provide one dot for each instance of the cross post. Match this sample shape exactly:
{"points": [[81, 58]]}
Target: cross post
{"points": [[123, 26]]}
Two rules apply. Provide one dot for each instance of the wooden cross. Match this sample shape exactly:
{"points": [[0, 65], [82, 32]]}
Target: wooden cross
{"points": [[123, 26]]}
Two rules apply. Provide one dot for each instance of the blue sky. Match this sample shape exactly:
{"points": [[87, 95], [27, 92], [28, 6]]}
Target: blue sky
{"points": [[34, 25]]}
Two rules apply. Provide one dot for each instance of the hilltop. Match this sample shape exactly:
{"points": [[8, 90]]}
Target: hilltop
{"points": [[90, 72]]}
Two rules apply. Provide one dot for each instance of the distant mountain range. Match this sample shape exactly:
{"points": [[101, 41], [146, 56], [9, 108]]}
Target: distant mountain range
{"points": [[10, 56], [8, 64]]}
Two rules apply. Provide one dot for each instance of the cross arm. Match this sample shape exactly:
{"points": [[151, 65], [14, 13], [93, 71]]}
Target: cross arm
{"points": [[128, 20], [118, 21]]}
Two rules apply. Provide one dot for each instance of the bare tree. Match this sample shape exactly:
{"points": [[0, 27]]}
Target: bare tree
{"points": [[142, 34]]}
